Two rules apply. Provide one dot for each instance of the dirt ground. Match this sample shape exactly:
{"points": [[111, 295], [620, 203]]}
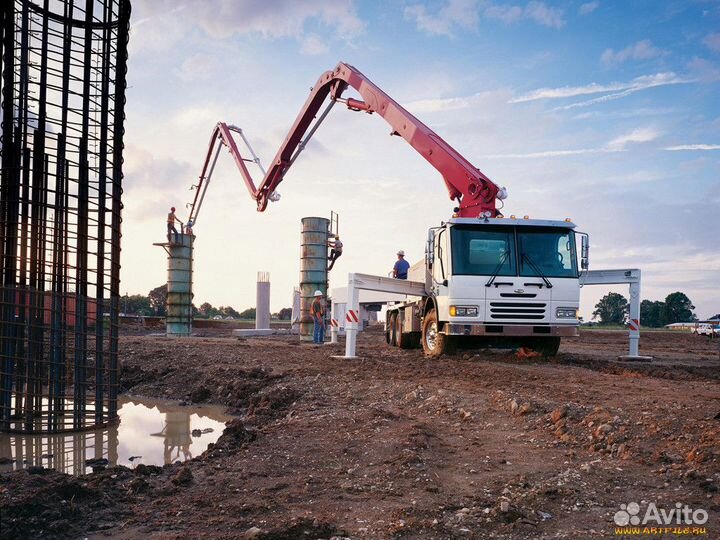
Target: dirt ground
{"points": [[392, 445]]}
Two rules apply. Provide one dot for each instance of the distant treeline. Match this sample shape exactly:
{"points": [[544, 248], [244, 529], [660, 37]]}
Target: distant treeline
{"points": [[613, 308], [154, 304]]}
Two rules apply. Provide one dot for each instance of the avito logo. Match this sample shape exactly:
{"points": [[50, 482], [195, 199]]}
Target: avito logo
{"points": [[629, 514]]}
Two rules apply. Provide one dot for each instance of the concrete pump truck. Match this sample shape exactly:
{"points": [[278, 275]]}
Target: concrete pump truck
{"points": [[486, 278]]}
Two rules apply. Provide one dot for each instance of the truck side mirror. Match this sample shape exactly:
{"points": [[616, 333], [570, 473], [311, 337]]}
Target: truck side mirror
{"points": [[430, 249], [585, 252]]}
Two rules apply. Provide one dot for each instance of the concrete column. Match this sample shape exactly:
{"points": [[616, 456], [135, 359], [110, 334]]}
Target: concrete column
{"points": [[262, 304], [313, 268], [295, 317], [178, 322]]}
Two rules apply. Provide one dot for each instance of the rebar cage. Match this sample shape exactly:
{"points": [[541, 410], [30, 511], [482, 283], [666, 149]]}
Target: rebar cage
{"points": [[63, 92]]}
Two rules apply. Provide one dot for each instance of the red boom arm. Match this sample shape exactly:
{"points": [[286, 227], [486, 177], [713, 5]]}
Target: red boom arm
{"points": [[475, 192]]}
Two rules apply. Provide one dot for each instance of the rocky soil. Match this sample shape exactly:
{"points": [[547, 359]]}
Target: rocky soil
{"points": [[392, 445]]}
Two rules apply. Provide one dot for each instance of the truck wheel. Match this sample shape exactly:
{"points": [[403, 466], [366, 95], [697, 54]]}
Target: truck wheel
{"points": [[392, 330], [547, 346], [434, 343]]}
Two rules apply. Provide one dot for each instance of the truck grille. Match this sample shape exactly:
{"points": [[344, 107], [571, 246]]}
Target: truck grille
{"points": [[517, 311]]}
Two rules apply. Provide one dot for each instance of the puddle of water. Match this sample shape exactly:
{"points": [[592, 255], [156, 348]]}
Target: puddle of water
{"points": [[153, 432]]}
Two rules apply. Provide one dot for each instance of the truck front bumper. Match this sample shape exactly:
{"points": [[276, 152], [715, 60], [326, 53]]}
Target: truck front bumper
{"points": [[454, 329]]}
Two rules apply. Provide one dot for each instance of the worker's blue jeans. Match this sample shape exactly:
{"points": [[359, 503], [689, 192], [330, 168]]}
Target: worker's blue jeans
{"points": [[318, 331], [172, 229]]}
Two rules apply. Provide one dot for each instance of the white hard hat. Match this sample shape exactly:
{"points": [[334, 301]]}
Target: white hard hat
{"points": [[318, 293], [401, 252]]}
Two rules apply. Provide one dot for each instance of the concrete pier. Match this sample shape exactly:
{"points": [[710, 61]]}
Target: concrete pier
{"points": [[178, 322], [313, 268], [262, 302]]}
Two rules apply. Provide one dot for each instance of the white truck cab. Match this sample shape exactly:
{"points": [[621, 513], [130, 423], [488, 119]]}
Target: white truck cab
{"points": [[493, 280]]}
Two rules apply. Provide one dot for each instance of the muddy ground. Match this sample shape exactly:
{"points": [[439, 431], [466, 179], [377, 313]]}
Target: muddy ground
{"points": [[392, 445]]}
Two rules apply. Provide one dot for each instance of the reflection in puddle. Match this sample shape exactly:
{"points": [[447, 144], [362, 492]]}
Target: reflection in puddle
{"points": [[152, 432]]}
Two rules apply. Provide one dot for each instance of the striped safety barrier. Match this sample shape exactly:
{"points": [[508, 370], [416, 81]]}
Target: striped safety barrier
{"points": [[634, 325], [351, 316], [333, 322]]}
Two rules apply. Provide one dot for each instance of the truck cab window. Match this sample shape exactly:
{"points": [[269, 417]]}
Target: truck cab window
{"points": [[479, 252], [551, 251]]}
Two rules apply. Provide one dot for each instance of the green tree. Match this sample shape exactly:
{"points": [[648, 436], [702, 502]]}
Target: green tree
{"points": [[205, 309], [285, 313], [652, 313], [612, 309], [158, 299], [247, 314], [228, 311], [678, 308], [136, 304]]}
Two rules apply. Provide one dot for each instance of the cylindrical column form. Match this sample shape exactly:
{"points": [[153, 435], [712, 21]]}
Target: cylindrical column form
{"points": [[262, 304], [178, 322], [313, 268], [63, 67]]}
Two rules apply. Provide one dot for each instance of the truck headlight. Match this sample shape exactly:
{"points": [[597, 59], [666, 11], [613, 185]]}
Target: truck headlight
{"points": [[463, 311], [566, 313]]}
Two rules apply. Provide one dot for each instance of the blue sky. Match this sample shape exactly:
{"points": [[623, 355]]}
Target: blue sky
{"points": [[605, 112]]}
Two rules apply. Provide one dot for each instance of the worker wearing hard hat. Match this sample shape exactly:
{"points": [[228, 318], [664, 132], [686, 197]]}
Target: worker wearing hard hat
{"points": [[400, 270], [317, 310], [336, 248], [171, 219]]}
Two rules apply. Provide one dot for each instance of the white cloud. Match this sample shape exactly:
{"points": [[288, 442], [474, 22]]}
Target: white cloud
{"points": [[280, 18], [506, 14], [544, 15], [642, 50], [588, 8], [192, 117], [312, 45], [462, 13], [143, 170], [613, 90], [223, 18], [445, 104], [618, 144], [198, 67], [551, 153], [704, 70], [639, 135], [691, 147], [712, 41], [466, 14]]}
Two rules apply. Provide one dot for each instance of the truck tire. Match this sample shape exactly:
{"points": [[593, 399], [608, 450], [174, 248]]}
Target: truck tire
{"points": [[392, 330], [547, 346], [434, 343]]}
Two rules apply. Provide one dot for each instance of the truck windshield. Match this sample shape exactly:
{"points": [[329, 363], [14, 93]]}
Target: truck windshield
{"points": [[483, 251], [548, 252], [512, 251]]}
